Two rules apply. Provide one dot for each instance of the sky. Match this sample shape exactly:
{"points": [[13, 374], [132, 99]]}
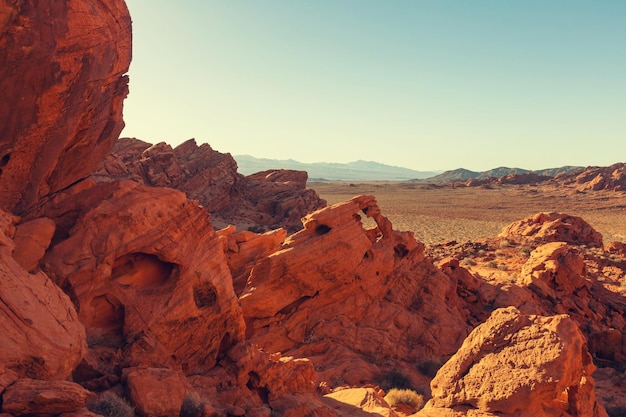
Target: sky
{"points": [[422, 84]]}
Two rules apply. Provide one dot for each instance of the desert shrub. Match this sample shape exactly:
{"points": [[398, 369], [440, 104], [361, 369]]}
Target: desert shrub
{"points": [[503, 267], [192, 405], [500, 253], [492, 264], [394, 379], [468, 261], [616, 411], [505, 244], [525, 251], [110, 405], [429, 367], [405, 396]]}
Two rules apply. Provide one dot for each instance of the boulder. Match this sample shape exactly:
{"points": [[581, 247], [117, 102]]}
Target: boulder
{"points": [[359, 402], [29, 397], [156, 392], [31, 241], [520, 365], [553, 227], [62, 85]]}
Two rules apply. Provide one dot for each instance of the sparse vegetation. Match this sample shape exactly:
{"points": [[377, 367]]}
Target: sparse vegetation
{"points": [[468, 262], [505, 244], [110, 405], [525, 251], [192, 405], [492, 264], [394, 379], [405, 396], [429, 367], [616, 411], [503, 267]]}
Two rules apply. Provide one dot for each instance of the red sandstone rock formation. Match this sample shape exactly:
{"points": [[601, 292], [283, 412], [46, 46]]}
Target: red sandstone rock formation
{"points": [[553, 227], [41, 334], [269, 199], [62, 84], [518, 365], [33, 397], [147, 272], [356, 302], [600, 178]]}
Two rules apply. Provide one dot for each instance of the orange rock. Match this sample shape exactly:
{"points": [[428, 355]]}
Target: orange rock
{"points": [[553, 227], [31, 241], [358, 402], [149, 273], [554, 270], [156, 392], [41, 334], [29, 396], [356, 302], [271, 199], [516, 364], [62, 78]]}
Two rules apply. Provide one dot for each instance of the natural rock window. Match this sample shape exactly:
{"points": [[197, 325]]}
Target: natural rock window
{"points": [[322, 229], [141, 271]]}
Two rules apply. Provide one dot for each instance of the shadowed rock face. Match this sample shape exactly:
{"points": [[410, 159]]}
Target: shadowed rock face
{"points": [[62, 84]]}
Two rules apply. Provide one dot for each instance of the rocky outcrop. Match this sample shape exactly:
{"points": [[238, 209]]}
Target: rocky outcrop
{"points": [[261, 201], [62, 84], [600, 178], [147, 272], [34, 397], [519, 365], [356, 302], [41, 334], [553, 227]]}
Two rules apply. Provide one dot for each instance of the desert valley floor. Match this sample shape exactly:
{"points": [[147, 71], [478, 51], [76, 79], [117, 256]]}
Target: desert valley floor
{"points": [[437, 214]]}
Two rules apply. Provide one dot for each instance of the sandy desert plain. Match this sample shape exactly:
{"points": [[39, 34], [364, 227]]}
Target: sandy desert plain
{"points": [[442, 213]]}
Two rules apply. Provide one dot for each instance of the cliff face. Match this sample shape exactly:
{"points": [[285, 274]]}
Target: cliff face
{"points": [[117, 284], [62, 85]]}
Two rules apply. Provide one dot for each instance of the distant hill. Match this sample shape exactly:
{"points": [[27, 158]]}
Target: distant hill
{"points": [[352, 171], [462, 174]]}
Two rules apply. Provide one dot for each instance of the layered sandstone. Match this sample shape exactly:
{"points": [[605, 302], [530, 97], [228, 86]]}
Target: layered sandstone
{"points": [[62, 84], [357, 302], [266, 200], [147, 272]]}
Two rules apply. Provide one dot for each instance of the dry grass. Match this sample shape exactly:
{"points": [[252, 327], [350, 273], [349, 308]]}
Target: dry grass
{"points": [[439, 214], [408, 397]]}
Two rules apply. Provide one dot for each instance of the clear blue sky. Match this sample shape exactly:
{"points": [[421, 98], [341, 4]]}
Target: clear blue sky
{"points": [[422, 84]]}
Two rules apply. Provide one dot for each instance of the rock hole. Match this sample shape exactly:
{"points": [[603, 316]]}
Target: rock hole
{"points": [[400, 251], [106, 322], [322, 229], [141, 271], [5, 160], [204, 295], [253, 385], [225, 345]]}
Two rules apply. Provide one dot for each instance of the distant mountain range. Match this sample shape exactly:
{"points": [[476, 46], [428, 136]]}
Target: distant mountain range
{"points": [[374, 171], [352, 171], [462, 174]]}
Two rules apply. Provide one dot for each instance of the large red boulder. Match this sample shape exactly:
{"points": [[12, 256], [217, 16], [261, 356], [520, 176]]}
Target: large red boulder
{"points": [[62, 84]]}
